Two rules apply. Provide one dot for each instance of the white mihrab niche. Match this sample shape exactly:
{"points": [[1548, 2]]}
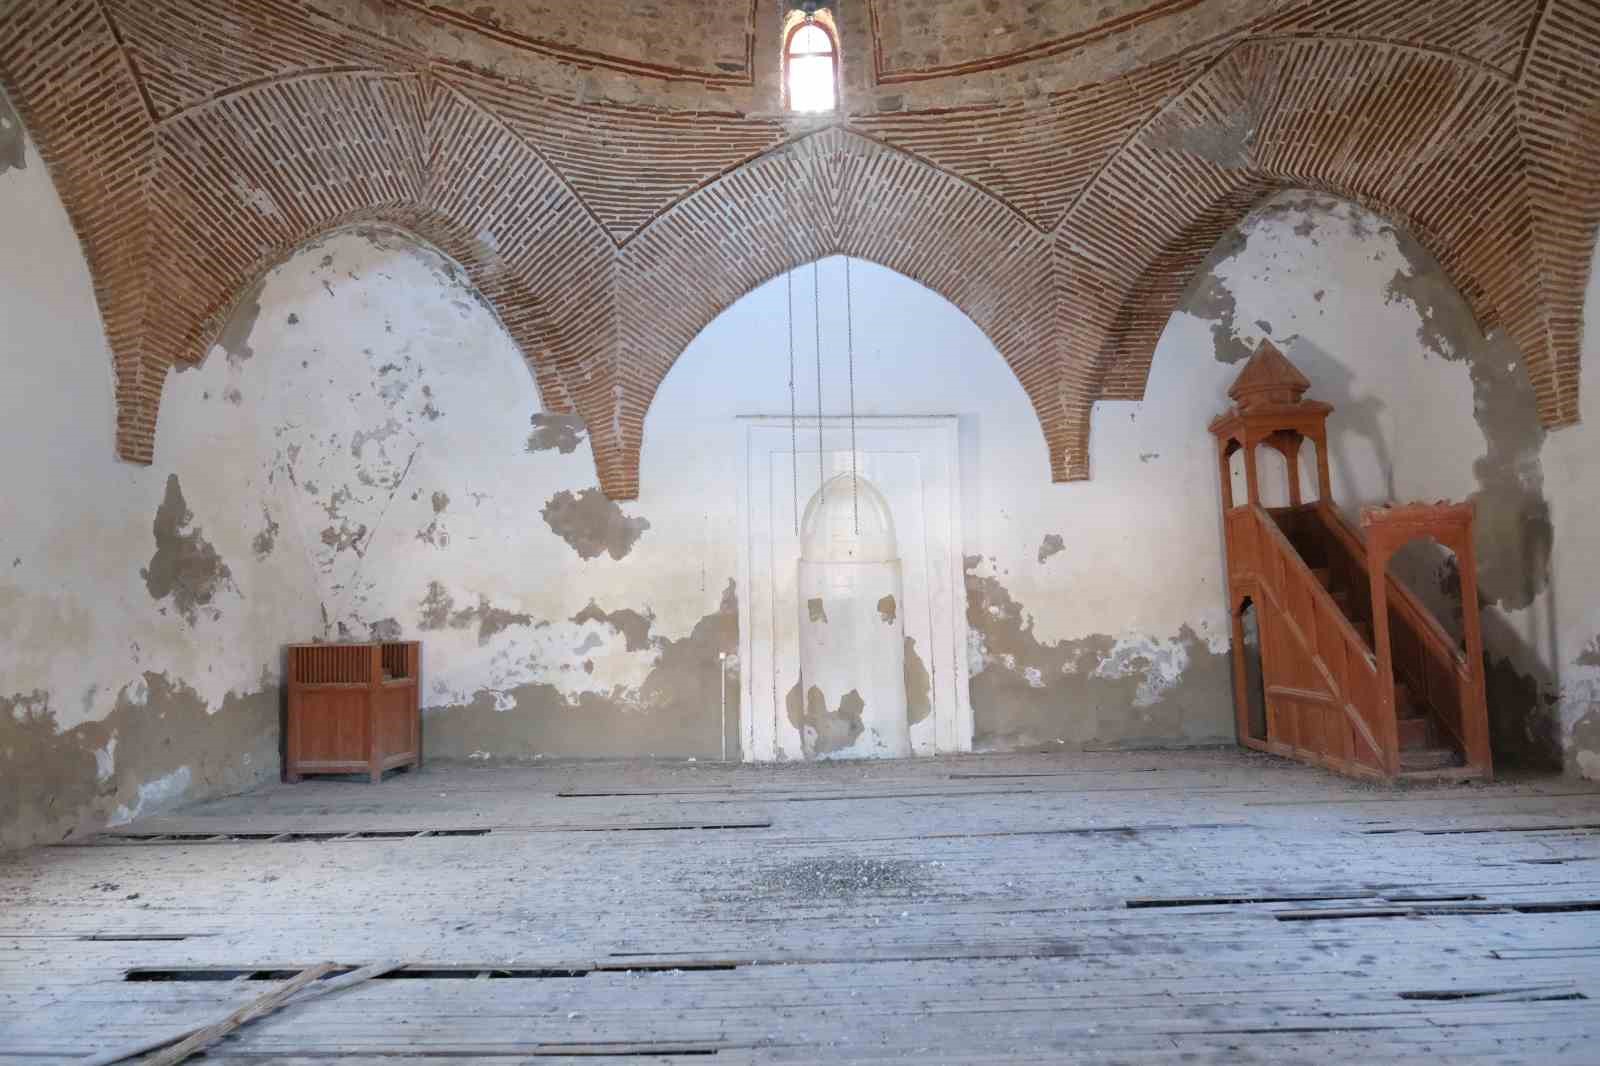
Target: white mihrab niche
{"points": [[908, 467]]}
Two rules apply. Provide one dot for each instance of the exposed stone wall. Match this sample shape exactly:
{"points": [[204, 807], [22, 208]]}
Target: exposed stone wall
{"points": [[562, 157]]}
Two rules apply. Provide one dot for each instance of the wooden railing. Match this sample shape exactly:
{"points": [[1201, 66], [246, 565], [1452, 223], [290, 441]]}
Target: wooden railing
{"points": [[1441, 679], [1321, 680]]}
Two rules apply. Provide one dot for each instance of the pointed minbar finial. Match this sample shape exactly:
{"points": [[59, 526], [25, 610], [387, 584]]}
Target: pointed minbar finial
{"points": [[1268, 380]]}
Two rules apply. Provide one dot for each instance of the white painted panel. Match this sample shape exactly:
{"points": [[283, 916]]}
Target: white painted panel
{"points": [[913, 461]]}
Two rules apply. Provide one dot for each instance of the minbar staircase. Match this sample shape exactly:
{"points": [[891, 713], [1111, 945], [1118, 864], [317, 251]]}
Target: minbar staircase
{"points": [[1351, 671], [1422, 747]]}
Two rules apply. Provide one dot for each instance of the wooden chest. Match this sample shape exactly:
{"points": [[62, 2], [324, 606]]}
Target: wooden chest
{"points": [[353, 709]]}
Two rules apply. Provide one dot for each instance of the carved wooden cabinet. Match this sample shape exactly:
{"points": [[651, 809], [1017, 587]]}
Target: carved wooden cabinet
{"points": [[353, 709]]}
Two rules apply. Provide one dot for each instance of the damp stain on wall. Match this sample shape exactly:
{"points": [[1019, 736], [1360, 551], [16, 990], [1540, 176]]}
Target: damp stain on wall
{"points": [[1579, 705], [385, 629], [13, 142], [1590, 655], [919, 685], [561, 433], [1209, 297], [686, 705], [158, 746], [888, 610], [1513, 534], [434, 532], [825, 730], [632, 625], [593, 524], [185, 567], [1584, 745], [1524, 729], [1225, 141], [437, 611], [234, 339], [265, 540], [1095, 691]]}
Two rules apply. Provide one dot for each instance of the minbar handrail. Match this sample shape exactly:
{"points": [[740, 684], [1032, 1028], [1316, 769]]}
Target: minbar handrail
{"points": [[1416, 612], [1381, 737]]}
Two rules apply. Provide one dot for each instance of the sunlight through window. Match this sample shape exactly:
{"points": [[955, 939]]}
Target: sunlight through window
{"points": [[810, 60]]}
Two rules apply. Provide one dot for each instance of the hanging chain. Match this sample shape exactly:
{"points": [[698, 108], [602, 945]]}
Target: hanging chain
{"points": [[794, 421], [816, 325], [788, 282], [850, 356]]}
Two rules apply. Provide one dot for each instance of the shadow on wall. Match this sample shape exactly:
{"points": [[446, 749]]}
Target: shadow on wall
{"points": [[1513, 532], [1524, 727], [1357, 421], [1524, 724]]}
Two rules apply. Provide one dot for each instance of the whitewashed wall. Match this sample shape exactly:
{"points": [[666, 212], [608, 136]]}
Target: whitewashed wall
{"points": [[1570, 620], [113, 699], [364, 454]]}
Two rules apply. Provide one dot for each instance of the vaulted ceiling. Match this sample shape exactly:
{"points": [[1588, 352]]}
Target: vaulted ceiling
{"points": [[613, 174]]}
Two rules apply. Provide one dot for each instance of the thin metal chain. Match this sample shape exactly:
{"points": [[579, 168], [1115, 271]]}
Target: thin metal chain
{"points": [[788, 282], [850, 356], [794, 419], [816, 325]]}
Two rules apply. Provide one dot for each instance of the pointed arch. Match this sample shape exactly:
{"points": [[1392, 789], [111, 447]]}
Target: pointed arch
{"points": [[248, 179], [832, 193], [1426, 139], [186, 169]]}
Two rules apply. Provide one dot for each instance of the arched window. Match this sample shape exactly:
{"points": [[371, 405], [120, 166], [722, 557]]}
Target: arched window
{"points": [[810, 68]]}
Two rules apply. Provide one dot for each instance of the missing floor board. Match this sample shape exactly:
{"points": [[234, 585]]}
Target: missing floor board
{"points": [[343, 836], [1574, 906], [1447, 907], [985, 775], [1309, 897], [1554, 827], [1226, 901], [462, 972], [115, 839], [124, 938], [837, 796], [490, 1052], [1534, 994]]}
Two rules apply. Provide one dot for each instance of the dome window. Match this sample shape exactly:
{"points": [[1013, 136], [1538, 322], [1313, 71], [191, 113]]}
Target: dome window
{"points": [[810, 68]]}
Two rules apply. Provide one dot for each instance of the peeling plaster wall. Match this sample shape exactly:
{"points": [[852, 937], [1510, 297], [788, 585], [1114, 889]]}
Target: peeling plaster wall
{"points": [[139, 635], [364, 454], [1093, 608], [1426, 408], [1573, 616]]}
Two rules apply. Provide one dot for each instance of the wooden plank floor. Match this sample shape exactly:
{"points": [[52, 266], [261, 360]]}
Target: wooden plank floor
{"points": [[1211, 907]]}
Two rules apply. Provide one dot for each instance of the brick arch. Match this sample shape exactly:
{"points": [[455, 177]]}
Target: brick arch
{"points": [[1065, 225], [832, 193], [248, 179], [1358, 119]]}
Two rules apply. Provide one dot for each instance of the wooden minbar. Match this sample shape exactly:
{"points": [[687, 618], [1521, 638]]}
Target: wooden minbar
{"points": [[1352, 671], [353, 709]]}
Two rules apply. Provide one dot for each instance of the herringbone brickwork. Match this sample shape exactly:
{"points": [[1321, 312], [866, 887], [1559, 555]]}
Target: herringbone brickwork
{"points": [[198, 145]]}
